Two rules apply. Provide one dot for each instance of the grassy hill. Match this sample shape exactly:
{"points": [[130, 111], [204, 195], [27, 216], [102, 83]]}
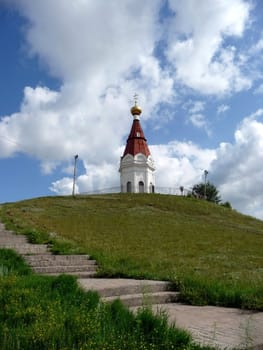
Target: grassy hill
{"points": [[212, 254]]}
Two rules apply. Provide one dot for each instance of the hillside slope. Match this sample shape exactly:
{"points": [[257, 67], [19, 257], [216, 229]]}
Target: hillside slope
{"points": [[195, 243]]}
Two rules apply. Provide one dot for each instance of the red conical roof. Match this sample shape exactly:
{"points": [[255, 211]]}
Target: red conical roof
{"points": [[136, 142]]}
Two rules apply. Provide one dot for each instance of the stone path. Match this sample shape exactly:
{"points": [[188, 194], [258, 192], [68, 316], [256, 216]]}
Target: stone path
{"points": [[78, 265], [215, 326], [218, 326], [131, 292]]}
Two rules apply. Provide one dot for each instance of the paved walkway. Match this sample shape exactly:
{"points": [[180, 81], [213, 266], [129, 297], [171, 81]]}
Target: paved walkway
{"points": [[209, 325], [218, 326]]}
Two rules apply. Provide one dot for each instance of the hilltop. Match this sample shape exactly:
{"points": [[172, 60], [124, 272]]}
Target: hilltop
{"points": [[213, 254]]}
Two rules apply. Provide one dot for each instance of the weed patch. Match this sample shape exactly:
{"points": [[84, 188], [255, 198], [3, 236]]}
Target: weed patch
{"points": [[11, 263], [47, 313]]}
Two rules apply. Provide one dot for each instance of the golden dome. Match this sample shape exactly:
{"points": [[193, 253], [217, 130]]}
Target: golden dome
{"points": [[136, 110]]}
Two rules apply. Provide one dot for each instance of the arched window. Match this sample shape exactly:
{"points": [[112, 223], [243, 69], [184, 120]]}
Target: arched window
{"points": [[151, 188], [129, 187], [141, 187]]}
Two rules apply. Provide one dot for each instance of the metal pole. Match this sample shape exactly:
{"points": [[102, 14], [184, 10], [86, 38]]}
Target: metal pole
{"points": [[74, 174], [206, 173]]}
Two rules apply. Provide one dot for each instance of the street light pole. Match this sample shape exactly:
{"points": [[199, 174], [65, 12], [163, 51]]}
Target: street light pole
{"points": [[74, 174], [206, 173]]}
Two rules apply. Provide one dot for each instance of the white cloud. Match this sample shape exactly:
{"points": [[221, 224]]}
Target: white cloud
{"points": [[52, 128], [258, 47], [180, 163], [237, 168], [63, 186], [196, 117], [198, 120], [222, 109], [259, 89], [195, 48], [97, 177], [100, 176], [78, 38], [196, 106], [100, 65]]}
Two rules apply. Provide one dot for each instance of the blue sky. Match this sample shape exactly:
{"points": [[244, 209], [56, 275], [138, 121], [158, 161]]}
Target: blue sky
{"points": [[68, 73]]}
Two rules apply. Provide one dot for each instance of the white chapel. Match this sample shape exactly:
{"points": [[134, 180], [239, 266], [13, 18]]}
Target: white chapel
{"points": [[136, 165]]}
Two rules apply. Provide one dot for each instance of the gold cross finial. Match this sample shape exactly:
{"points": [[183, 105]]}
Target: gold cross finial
{"points": [[136, 110], [135, 99]]}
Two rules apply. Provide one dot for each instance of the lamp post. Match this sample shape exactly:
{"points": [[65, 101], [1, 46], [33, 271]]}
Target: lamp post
{"points": [[74, 174], [182, 190], [206, 173]]}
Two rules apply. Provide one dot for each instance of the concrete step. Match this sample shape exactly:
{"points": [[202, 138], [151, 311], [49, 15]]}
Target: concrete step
{"points": [[42, 261], [218, 327], [65, 269], [107, 287], [138, 288], [13, 239], [79, 274], [54, 265], [131, 292], [4, 233], [27, 248], [61, 260], [147, 299]]}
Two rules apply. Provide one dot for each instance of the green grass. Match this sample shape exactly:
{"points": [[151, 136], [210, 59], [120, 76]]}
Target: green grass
{"points": [[48, 313], [12, 264], [212, 254]]}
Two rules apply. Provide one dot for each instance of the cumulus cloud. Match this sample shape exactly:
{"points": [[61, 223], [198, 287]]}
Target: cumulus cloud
{"points": [[180, 163], [83, 37], [99, 76], [258, 47], [237, 168], [196, 116], [196, 51], [198, 120], [52, 130], [196, 106], [97, 177], [63, 186], [222, 109]]}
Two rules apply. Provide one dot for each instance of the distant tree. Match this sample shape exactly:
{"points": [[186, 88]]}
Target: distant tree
{"points": [[227, 205], [207, 191]]}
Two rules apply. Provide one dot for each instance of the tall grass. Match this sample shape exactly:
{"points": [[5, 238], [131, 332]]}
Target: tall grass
{"points": [[47, 313], [212, 253], [11, 263]]}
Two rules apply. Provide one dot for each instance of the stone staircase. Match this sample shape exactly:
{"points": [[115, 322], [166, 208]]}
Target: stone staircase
{"points": [[221, 328], [42, 261], [19, 243], [131, 292], [53, 265]]}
